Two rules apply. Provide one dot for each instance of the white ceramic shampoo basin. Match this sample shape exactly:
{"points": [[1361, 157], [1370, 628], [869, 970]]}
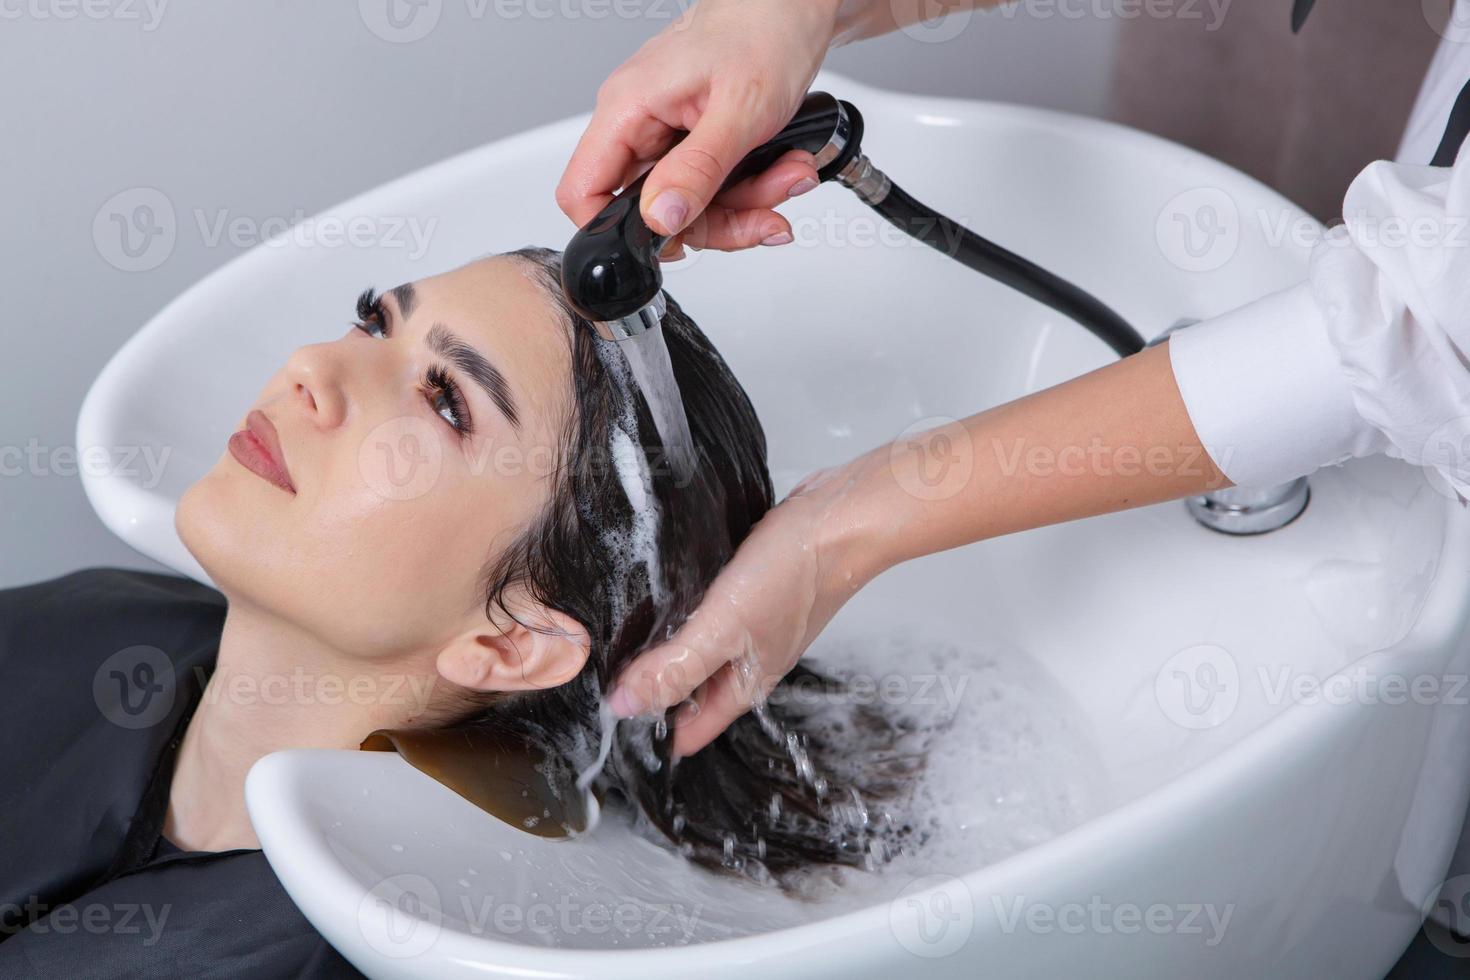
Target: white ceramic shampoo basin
{"points": [[1188, 754]]}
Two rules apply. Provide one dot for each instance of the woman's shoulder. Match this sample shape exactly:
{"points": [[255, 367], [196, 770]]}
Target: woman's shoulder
{"points": [[106, 609], [90, 591], [216, 914], [110, 584]]}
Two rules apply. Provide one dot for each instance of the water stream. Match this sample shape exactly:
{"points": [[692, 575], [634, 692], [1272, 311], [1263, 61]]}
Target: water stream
{"points": [[648, 360]]}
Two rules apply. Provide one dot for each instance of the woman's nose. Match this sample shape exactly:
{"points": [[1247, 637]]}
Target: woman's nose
{"points": [[315, 374]]}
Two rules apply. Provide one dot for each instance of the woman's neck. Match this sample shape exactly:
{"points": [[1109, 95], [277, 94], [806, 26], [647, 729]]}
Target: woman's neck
{"points": [[275, 688]]}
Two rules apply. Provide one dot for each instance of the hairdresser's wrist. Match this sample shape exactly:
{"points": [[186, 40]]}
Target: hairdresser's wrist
{"points": [[852, 20], [817, 20], [855, 543], [881, 508]]}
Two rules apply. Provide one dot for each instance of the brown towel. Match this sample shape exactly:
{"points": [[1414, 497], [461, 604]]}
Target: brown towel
{"points": [[1303, 113]]}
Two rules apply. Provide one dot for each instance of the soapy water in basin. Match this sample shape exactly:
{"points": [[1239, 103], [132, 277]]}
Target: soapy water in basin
{"points": [[1009, 768]]}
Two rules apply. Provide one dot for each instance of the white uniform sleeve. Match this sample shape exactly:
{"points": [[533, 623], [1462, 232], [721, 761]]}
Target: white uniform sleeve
{"points": [[1369, 355]]}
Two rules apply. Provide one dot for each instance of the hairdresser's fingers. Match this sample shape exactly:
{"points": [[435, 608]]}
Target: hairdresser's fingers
{"points": [[615, 148], [723, 698], [732, 230], [661, 677], [685, 181], [792, 174], [741, 216]]}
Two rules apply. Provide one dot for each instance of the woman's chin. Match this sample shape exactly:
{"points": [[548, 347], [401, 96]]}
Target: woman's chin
{"points": [[219, 520]]}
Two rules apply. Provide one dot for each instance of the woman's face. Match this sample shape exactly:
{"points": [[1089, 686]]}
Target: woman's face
{"points": [[417, 447]]}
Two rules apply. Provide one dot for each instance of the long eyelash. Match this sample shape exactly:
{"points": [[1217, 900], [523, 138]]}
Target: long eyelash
{"points": [[438, 382], [369, 309]]}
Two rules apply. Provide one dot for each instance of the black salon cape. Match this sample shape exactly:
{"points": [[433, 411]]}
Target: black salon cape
{"points": [[99, 673]]}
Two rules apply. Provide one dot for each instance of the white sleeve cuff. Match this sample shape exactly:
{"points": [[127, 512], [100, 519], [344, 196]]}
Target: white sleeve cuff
{"points": [[1266, 392]]}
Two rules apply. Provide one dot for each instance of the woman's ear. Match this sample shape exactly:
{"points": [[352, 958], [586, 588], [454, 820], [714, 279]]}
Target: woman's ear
{"points": [[547, 653]]}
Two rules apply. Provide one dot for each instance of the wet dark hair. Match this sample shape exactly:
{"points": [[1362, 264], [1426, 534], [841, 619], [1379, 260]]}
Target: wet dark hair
{"points": [[746, 803]]}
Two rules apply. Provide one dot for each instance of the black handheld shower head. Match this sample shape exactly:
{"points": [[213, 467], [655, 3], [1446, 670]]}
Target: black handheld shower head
{"points": [[610, 269], [611, 274]]}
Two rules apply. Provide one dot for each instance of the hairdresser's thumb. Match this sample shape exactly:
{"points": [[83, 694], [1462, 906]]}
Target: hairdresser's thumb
{"points": [[683, 183]]}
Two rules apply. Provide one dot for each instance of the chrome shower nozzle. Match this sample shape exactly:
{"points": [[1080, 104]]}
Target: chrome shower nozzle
{"points": [[641, 320]]}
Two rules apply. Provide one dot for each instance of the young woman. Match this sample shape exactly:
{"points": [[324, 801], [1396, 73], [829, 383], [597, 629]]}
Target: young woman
{"points": [[443, 525]]}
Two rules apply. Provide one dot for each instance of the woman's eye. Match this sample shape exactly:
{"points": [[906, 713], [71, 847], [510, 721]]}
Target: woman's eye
{"points": [[373, 328], [370, 315], [447, 401]]}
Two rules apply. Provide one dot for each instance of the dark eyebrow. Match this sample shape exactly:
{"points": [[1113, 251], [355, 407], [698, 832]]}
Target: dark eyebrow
{"points": [[442, 341], [406, 298]]}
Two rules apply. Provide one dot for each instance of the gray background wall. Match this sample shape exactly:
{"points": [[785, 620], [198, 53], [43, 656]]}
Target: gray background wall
{"points": [[265, 108]]}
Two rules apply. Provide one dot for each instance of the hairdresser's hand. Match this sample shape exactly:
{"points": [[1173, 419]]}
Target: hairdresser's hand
{"points": [[796, 568], [729, 72]]}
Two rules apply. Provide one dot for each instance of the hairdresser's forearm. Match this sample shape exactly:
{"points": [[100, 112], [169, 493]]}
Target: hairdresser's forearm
{"points": [[859, 19], [1116, 438]]}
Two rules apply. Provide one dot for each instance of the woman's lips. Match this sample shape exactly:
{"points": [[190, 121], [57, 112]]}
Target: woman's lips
{"points": [[258, 449]]}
